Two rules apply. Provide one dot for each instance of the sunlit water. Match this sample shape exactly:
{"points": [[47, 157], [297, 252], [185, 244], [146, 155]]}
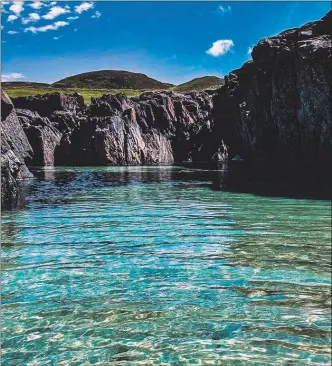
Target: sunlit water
{"points": [[150, 266]]}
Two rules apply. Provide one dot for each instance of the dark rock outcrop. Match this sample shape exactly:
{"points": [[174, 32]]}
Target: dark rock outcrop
{"points": [[276, 110], [42, 135], [273, 114], [154, 128], [16, 152], [46, 104]]}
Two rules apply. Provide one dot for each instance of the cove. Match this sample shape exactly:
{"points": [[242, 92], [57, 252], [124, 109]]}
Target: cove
{"points": [[151, 266]]}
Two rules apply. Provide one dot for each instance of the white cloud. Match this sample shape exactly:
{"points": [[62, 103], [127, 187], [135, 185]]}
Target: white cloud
{"points": [[12, 76], [11, 18], [12, 32], [17, 7], [75, 30], [53, 3], [3, 10], [33, 17], [83, 7], [220, 47], [36, 5], [56, 38], [72, 18], [55, 12], [96, 15], [46, 28], [249, 50], [224, 9]]}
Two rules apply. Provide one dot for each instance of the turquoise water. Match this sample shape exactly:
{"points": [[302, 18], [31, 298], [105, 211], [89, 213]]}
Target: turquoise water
{"points": [[150, 266]]}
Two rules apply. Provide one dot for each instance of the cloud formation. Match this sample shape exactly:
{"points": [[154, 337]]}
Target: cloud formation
{"points": [[16, 8], [220, 47], [249, 50], [12, 18], [46, 28], [12, 32], [224, 9], [83, 7], [55, 11], [12, 76], [36, 5], [96, 15], [33, 17]]}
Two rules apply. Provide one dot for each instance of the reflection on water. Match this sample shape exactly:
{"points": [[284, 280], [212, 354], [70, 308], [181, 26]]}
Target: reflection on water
{"points": [[150, 266]]}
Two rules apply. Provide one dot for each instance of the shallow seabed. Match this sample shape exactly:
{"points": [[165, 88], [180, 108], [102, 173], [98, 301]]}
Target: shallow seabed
{"points": [[150, 266]]}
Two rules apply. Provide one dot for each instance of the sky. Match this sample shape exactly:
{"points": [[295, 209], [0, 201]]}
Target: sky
{"points": [[170, 41]]}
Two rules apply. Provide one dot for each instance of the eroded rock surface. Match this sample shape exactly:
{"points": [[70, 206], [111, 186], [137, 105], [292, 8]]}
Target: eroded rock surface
{"points": [[16, 152], [276, 110], [154, 128]]}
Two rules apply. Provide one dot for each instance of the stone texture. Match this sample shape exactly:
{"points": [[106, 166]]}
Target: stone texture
{"points": [[42, 135], [154, 128], [16, 152], [276, 110], [46, 104]]}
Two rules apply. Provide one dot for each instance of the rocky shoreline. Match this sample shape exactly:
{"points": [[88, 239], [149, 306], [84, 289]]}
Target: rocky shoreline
{"points": [[275, 112]]}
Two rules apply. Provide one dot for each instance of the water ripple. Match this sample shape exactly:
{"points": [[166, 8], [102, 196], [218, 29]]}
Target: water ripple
{"points": [[148, 266]]}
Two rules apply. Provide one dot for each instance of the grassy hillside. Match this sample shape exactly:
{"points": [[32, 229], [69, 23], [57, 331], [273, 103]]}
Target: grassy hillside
{"points": [[22, 89], [111, 79], [86, 93], [23, 84], [203, 83]]}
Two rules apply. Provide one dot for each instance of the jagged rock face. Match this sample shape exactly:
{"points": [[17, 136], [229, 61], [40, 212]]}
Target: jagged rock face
{"points": [[14, 144], [154, 128], [42, 135], [46, 104], [276, 110], [16, 152]]}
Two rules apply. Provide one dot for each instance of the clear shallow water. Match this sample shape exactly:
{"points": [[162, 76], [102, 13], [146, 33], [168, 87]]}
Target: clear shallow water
{"points": [[150, 266]]}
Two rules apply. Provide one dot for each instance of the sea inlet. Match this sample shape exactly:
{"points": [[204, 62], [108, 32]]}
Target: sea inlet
{"points": [[152, 266]]}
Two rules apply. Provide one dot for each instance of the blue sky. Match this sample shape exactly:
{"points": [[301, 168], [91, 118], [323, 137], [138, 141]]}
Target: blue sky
{"points": [[170, 41]]}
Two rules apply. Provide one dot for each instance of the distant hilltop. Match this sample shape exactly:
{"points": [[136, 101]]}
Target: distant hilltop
{"points": [[116, 79]]}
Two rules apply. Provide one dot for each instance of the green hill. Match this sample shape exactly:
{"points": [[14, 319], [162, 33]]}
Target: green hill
{"points": [[111, 79], [23, 84], [203, 83]]}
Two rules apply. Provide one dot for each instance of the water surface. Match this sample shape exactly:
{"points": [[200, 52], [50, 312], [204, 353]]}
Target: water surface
{"points": [[150, 266]]}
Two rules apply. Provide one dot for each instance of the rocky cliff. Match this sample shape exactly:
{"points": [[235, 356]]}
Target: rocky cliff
{"points": [[58, 129], [16, 152], [276, 110]]}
